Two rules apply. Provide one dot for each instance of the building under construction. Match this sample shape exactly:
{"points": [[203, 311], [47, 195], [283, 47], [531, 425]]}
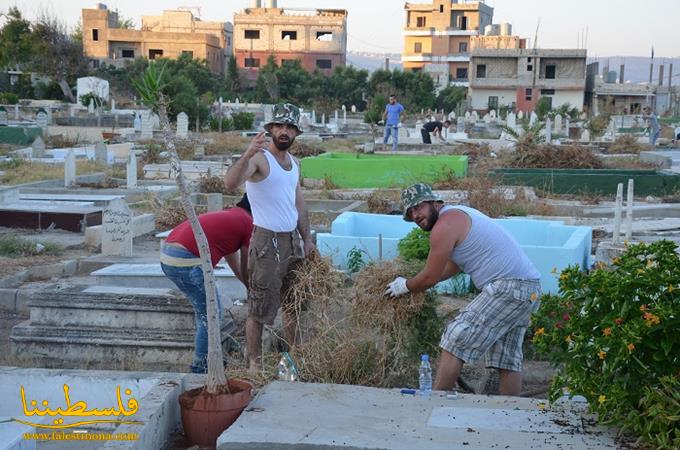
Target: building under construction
{"points": [[315, 37]]}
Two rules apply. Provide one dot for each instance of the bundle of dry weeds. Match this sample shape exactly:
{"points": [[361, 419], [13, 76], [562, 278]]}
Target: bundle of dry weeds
{"points": [[383, 201], [169, 215], [301, 149], [554, 157], [625, 143], [372, 306], [311, 280]]}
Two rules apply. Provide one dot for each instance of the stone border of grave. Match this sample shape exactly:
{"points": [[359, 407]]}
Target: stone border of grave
{"points": [[15, 299]]}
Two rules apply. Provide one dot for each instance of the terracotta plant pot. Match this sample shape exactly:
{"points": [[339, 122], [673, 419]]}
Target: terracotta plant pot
{"points": [[205, 416]]}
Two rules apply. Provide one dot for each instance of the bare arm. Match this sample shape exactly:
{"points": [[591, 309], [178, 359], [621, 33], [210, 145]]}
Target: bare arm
{"points": [[245, 167], [244, 265], [448, 231], [450, 270], [303, 219], [232, 260]]}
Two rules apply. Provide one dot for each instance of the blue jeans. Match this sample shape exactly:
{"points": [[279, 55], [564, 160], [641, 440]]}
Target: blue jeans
{"points": [[394, 131], [189, 280]]}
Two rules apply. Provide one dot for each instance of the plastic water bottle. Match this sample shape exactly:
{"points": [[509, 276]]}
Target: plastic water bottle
{"points": [[425, 378], [286, 370]]}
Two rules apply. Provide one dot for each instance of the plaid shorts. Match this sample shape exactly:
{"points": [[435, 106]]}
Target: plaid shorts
{"points": [[493, 324]]}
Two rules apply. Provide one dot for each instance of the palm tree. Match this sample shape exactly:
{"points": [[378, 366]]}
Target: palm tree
{"points": [[150, 88], [528, 138]]}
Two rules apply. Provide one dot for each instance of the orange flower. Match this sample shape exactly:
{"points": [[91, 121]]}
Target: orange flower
{"points": [[601, 354], [631, 347], [607, 331], [643, 308], [651, 319]]}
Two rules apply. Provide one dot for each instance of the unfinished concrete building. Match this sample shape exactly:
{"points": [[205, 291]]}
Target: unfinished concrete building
{"points": [[170, 35], [316, 37], [437, 37], [518, 78]]}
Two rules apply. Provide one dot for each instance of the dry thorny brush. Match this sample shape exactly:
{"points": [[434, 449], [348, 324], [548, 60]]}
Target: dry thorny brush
{"points": [[625, 143], [168, 215], [352, 335], [383, 201], [553, 157]]}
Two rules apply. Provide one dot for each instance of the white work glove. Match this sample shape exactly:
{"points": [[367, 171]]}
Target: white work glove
{"points": [[397, 287], [381, 122], [399, 125]]}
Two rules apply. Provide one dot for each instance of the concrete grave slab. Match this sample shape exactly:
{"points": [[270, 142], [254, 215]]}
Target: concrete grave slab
{"points": [[329, 416], [71, 216]]}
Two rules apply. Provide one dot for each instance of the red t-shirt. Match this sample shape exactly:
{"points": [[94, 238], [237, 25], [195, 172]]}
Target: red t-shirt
{"points": [[227, 231]]}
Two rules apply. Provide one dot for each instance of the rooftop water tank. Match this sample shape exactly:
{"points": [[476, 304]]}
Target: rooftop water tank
{"points": [[506, 29], [611, 76]]}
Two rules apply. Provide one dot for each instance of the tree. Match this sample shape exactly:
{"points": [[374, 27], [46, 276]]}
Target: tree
{"points": [[15, 40], [267, 84], [373, 113], [233, 79], [450, 97], [151, 88], [57, 54]]}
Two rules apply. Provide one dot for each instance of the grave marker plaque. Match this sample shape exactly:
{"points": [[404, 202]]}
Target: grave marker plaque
{"points": [[117, 229]]}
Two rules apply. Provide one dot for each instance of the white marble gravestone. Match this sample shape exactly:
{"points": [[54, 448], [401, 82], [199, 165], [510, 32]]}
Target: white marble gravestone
{"points": [[117, 229], [100, 153], [182, 125], [70, 169], [132, 170], [38, 148]]}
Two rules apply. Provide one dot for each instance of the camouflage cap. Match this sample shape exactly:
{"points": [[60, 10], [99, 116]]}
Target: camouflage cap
{"points": [[415, 195], [285, 113]]}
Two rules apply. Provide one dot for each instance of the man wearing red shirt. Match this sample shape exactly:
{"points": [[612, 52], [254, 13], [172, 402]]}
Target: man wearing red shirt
{"points": [[228, 233]]}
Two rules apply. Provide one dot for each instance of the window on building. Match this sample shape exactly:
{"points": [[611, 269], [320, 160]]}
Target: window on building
{"points": [[493, 102], [481, 70], [95, 64], [441, 8], [228, 41], [528, 94], [418, 47], [251, 62], [289, 35], [550, 71], [547, 91], [530, 67], [155, 53], [461, 73], [324, 64], [189, 53], [462, 47], [127, 53], [95, 34], [463, 23], [326, 36], [420, 21], [251, 34]]}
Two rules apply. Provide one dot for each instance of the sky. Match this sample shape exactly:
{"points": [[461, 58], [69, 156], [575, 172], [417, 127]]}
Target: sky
{"points": [[604, 27]]}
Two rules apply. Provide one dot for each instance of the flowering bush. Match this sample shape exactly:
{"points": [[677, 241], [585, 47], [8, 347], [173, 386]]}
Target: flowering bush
{"points": [[614, 333]]}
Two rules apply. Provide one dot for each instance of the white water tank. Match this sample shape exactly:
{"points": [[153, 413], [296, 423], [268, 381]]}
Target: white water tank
{"points": [[271, 3], [506, 29], [491, 30], [255, 4]]}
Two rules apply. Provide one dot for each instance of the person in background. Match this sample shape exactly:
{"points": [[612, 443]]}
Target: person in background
{"points": [[228, 234], [392, 118], [654, 129], [494, 323], [435, 127]]}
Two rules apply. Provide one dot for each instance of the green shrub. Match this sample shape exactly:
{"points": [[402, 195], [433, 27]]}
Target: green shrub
{"points": [[614, 333], [355, 259], [15, 246], [415, 246], [8, 98], [227, 123], [243, 120]]}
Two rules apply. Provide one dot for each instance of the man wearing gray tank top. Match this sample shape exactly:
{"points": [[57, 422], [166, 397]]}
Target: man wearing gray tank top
{"points": [[493, 325], [272, 178]]}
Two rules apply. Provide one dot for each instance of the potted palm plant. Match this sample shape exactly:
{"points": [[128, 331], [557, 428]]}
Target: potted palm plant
{"points": [[206, 411]]}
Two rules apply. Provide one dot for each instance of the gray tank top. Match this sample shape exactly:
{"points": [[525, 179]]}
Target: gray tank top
{"points": [[489, 252]]}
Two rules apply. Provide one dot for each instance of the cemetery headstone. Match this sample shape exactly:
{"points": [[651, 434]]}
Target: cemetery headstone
{"points": [[100, 153], [520, 115], [147, 126], [354, 108], [137, 122], [38, 148], [70, 169], [49, 116], [113, 105], [487, 118], [182, 125], [460, 125], [511, 120], [132, 170], [314, 116], [90, 106], [17, 116], [585, 135], [548, 130], [3, 116], [492, 113], [567, 128], [474, 117], [558, 124], [199, 150], [323, 119], [117, 229], [215, 201], [533, 118], [41, 119]]}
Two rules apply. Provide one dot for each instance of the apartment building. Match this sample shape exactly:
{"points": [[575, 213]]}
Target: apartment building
{"points": [[170, 35], [316, 37], [519, 77], [437, 37]]}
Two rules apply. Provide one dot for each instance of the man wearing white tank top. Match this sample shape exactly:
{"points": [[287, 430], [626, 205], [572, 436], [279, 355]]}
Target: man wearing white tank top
{"points": [[272, 178], [493, 325]]}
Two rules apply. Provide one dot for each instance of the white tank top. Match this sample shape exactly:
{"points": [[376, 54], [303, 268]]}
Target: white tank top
{"points": [[489, 252], [272, 200]]}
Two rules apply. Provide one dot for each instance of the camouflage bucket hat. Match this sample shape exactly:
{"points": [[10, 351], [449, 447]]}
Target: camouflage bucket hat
{"points": [[285, 113], [415, 195]]}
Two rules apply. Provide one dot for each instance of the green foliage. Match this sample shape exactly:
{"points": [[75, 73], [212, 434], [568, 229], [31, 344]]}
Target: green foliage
{"points": [[12, 245], [424, 330], [415, 246], [414, 90], [91, 96], [543, 107], [355, 260], [15, 39], [613, 332], [12, 163], [597, 125], [528, 138], [48, 91], [450, 98], [151, 85], [8, 98], [227, 123], [243, 120]]}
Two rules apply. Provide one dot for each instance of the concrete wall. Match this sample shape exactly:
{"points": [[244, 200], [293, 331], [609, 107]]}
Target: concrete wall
{"points": [[479, 98], [271, 23]]}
